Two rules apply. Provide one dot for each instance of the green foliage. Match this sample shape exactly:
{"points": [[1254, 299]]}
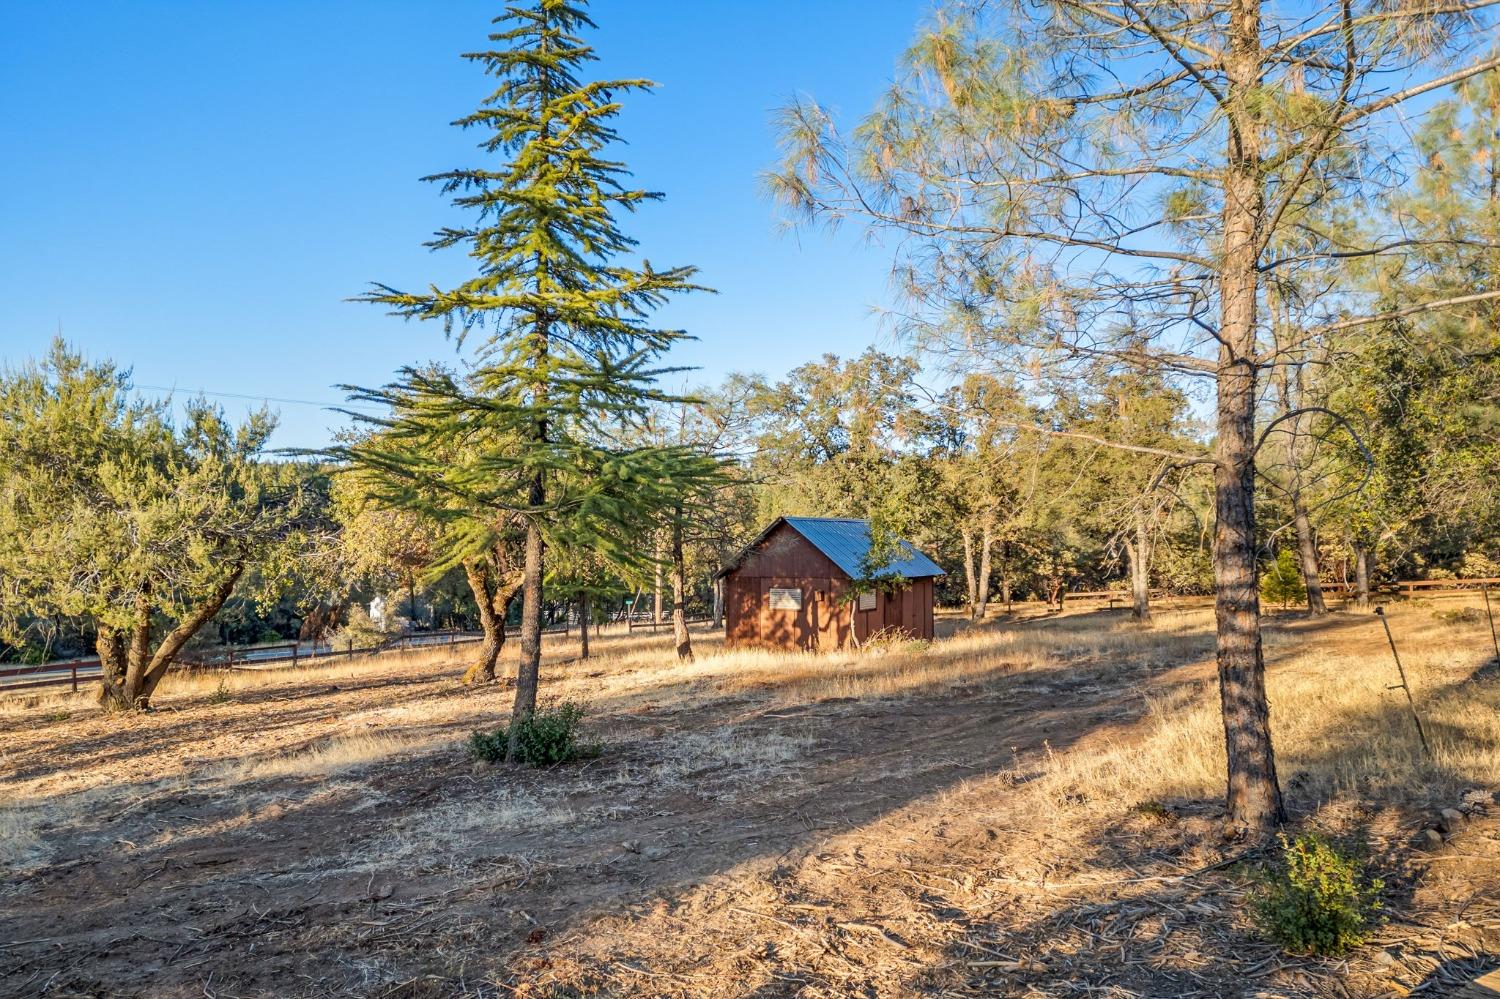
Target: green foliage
{"points": [[547, 736], [1281, 582], [565, 359], [114, 513], [359, 631], [1318, 899], [221, 694]]}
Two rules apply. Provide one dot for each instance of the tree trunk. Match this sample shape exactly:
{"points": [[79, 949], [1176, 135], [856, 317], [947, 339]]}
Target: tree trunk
{"points": [[583, 625], [166, 652], [718, 604], [1139, 554], [528, 672], [1307, 552], [476, 571], [1361, 577], [1005, 574], [679, 591], [1253, 797], [971, 575], [138, 656], [110, 643], [143, 670], [1307, 543], [981, 603], [656, 585]]}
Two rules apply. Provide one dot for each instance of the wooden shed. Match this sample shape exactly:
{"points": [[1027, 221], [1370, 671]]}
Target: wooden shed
{"points": [[789, 589]]}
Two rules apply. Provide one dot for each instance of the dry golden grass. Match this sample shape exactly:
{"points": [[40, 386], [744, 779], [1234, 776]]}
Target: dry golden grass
{"points": [[183, 684], [1007, 769], [329, 756], [1338, 727], [19, 840]]}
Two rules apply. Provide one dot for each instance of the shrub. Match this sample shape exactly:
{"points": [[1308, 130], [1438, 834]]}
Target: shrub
{"points": [[1281, 583], [360, 631], [546, 737], [1318, 899]]}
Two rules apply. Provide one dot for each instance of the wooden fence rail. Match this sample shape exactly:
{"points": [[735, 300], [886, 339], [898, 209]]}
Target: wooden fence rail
{"points": [[248, 657], [1409, 587], [650, 625]]}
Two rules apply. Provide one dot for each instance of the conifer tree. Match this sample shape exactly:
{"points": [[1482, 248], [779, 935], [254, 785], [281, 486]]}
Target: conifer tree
{"points": [[563, 352]]}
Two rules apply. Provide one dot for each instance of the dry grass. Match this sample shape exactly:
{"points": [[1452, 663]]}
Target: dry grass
{"points": [[1338, 728], [328, 756], [20, 843], [181, 685], [740, 795]]}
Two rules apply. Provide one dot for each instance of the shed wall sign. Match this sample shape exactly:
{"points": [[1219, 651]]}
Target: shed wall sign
{"points": [[786, 598]]}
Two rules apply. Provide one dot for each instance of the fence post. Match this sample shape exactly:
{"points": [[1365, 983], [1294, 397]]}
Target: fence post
{"points": [[1491, 615], [75, 674], [294, 654], [1410, 703]]}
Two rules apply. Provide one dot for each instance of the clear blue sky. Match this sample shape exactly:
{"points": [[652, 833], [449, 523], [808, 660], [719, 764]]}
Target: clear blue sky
{"points": [[193, 189]]}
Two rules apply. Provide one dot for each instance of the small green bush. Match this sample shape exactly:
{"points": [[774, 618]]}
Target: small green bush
{"points": [[221, 694], [547, 736], [1281, 583], [1318, 899]]}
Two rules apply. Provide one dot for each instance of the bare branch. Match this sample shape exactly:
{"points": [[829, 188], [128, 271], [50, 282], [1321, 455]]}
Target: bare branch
{"points": [[1410, 310]]}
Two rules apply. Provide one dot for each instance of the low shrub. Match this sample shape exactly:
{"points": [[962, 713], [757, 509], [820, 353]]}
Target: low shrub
{"points": [[1460, 615], [546, 737], [1318, 899]]}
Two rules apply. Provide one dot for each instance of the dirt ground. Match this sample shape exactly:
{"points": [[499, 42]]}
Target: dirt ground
{"points": [[909, 821]]}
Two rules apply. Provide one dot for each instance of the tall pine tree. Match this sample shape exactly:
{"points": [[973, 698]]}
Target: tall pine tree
{"points": [[565, 354]]}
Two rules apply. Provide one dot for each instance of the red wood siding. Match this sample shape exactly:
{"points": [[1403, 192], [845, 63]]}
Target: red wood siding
{"points": [[785, 559]]}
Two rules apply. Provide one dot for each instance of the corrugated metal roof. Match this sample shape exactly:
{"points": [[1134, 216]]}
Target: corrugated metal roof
{"points": [[847, 542]]}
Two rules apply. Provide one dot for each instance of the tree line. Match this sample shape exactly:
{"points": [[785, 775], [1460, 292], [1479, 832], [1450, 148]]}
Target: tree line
{"points": [[1181, 307]]}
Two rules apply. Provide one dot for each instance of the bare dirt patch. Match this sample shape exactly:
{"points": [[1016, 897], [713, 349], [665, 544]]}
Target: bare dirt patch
{"points": [[1025, 808]]}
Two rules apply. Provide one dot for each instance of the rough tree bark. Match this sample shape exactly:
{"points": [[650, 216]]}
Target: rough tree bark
{"points": [[494, 592], [718, 603], [1253, 799], [679, 591], [528, 671]]}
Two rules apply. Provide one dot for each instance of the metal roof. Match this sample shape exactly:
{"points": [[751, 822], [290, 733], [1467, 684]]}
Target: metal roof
{"points": [[846, 542]]}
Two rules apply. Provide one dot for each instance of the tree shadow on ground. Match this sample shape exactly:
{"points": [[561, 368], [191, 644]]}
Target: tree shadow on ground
{"points": [[424, 878], [299, 865]]}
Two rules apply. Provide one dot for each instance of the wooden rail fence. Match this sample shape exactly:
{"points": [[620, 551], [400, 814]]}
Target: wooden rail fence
{"points": [[1409, 587], [248, 657]]}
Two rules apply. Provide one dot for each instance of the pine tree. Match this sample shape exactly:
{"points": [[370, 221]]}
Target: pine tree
{"points": [[564, 352]]}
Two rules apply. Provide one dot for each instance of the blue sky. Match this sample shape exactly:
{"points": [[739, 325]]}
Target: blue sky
{"points": [[193, 189]]}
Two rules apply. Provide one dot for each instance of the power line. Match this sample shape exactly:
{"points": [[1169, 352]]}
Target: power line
{"points": [[258, 398]]}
